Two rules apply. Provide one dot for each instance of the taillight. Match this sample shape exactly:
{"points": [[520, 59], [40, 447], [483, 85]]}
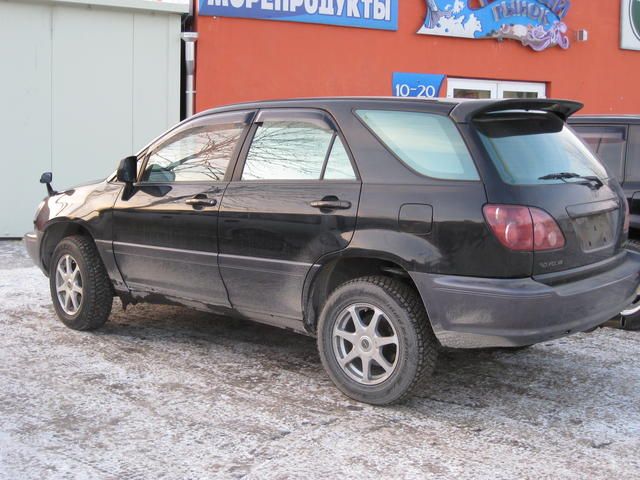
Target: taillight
{"points": [[627, 216], [523, 228]]}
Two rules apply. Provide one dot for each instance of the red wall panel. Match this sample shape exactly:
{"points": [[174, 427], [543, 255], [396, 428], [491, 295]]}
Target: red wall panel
{"points": [[241, 59]]}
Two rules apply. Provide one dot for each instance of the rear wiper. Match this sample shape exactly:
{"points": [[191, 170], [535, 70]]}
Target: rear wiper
{"points": [[590, 180]]}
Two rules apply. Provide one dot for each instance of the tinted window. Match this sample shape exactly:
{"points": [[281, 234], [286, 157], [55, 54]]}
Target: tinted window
{"points": [[287, 151], [633, 157], [339, 166], [429, 144], [198, 154], [609, 143], [527, 146]]}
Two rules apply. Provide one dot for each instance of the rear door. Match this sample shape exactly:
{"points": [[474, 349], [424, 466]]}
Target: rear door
{"points": [[609, 143], [292, 200], [529, 153], [166, 227], [618, 147]]}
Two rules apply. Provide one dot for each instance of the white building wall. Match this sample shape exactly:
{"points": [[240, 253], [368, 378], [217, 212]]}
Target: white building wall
{"points": [[82, 84]]}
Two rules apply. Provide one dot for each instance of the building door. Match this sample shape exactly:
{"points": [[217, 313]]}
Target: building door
{"points": [[487, 89]]}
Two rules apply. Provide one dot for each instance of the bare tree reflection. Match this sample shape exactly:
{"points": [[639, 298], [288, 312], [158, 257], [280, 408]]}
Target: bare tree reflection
{"points": [[196, 155], [287, 150]]}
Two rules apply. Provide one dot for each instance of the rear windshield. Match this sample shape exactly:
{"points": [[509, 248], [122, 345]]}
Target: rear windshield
{"points": [[429, 144], [528, 146]]}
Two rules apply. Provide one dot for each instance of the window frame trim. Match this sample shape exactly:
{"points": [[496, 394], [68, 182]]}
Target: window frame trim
{"points": [[287, 114]]}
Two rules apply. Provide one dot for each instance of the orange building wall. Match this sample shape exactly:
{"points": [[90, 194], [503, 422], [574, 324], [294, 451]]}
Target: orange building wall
{"points": [[241, 59]]}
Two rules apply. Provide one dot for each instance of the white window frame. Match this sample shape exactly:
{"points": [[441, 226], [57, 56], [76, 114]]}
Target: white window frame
{"points": [[496, 87], [539, 88], [470, 84]]}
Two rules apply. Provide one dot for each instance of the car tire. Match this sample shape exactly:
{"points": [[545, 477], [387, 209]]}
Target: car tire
{"points": [[81, 291], [345, 349], [629, 322], [513, 349]]}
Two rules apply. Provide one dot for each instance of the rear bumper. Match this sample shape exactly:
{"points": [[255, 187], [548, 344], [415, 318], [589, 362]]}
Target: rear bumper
{"points": [[468, 312]]}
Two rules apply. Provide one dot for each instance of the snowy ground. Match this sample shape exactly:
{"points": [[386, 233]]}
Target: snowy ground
{"points": [[165, 392]]}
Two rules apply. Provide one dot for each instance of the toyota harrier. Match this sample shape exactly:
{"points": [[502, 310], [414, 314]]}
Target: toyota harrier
{"points": [[387, 228]]}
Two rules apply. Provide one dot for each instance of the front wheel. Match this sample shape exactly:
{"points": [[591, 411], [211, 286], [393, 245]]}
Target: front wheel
{"points": [[375, 340], [80, 287]]}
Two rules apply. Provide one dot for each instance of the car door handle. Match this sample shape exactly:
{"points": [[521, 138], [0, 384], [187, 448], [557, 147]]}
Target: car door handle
{"points": [[331, 204], [201, 202]]}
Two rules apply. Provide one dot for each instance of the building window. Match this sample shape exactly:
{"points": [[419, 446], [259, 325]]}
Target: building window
{"points": [[486, 89]]}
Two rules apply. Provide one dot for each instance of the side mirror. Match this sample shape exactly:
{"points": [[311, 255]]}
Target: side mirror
{"points": [[47, 178], [128, 170]]}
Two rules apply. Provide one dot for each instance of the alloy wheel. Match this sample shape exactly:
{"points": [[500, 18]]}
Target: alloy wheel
{"points": [[69, 284], [365, 344]]}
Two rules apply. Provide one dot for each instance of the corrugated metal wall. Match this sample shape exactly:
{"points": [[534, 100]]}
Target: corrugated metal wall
{"points": [[80, 87]]}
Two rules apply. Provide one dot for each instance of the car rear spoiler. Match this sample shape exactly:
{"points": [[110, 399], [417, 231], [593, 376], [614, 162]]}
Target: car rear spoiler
{"points": [[466, 111]]}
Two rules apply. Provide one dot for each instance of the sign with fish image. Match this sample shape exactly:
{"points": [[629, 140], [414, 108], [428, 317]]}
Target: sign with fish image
{"points": [[630, 25], [537, 24]]}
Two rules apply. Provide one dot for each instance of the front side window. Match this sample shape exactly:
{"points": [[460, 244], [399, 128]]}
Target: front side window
{"points": [[531, 148], [296, 150], [429, 144], [195, 155], [609, 143]]}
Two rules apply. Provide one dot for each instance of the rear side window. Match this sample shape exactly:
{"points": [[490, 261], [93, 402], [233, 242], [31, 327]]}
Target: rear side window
{"points": [[427, 143], [527, 146], [296, 150], [609, 143]]}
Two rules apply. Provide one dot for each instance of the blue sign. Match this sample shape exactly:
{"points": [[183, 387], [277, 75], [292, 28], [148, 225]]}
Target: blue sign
{"points": [[423, 85], [377, 14], [536, 23]]}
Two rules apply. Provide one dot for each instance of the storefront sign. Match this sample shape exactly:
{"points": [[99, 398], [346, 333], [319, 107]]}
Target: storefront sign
{"points": [[630, 25], [423, 85], [377, 14], [536, 23]]}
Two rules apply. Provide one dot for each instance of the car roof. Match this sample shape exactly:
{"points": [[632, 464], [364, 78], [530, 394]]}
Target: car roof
{"points": [[605, 118], [462, 110], [310, 102]]}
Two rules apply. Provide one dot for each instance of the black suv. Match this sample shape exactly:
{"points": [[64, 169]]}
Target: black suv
{"points": [[385, 227]]}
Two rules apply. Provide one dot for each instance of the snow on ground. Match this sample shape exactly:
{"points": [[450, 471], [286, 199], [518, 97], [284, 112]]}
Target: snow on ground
{"points": [[165, 392]]}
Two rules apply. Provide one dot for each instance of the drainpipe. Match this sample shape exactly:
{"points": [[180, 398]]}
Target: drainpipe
{"points": [[190, 39]]}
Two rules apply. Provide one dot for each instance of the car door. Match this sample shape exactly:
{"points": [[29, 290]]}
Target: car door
{"points": [[294, 198], [614, 144], [609, 142], [165, 228]]}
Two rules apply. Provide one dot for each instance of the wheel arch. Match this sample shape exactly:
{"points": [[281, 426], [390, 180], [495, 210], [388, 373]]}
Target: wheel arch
{"points": [[342, 267], [55, 232]]}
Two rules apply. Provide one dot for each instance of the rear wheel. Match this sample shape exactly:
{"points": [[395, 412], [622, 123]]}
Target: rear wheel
{"points": [[80, 287], [375, 340]]}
